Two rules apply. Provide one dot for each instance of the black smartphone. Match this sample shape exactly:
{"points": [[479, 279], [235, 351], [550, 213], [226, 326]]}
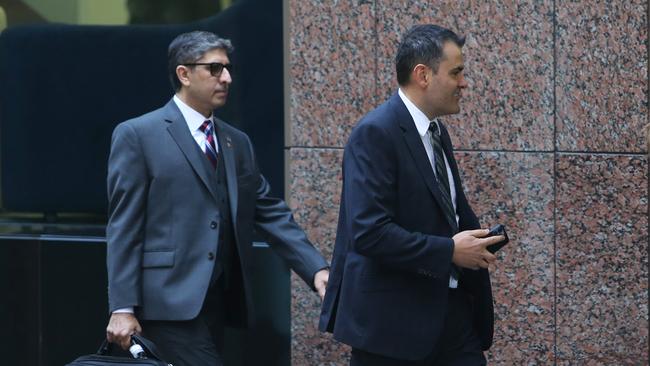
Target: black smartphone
{"points": [[497, 229]]}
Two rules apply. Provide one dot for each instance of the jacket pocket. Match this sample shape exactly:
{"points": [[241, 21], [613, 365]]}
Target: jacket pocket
{"points": [[158, 259]]}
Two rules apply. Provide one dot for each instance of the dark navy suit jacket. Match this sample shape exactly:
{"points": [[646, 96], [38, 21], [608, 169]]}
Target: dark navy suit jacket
{"points": [[388, 286]]}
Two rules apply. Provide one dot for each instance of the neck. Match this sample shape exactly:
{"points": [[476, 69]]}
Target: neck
{"points": [[182, 95]]}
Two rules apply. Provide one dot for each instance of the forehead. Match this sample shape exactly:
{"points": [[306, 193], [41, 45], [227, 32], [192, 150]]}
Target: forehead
{"points": [[452, 55], [215, 55]]}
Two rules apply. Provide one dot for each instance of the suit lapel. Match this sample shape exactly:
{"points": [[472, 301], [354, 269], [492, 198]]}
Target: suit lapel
{"points": [[181, 134], [416, 148], [227, 149]]}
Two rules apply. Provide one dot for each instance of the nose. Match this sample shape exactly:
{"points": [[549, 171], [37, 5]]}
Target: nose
{"points": [[225, 76], [462, 82]]}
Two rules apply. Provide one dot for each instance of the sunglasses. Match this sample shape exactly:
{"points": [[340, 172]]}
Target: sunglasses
{"points": [[215, 67]]}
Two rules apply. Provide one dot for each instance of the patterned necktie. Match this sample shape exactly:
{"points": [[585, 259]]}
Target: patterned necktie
{"points": [[210, 149], [443, 184], [441, 176]]}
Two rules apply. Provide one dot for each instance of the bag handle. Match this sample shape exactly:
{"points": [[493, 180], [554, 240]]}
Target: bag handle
{"points": [[105, 348], [148, 346]]}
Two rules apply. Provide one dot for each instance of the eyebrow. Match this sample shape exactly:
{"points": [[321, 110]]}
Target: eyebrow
{"points": [[457, 69]]}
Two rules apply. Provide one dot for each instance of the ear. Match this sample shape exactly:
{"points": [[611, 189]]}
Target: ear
{"points": [[182, 74], [421, 75]]}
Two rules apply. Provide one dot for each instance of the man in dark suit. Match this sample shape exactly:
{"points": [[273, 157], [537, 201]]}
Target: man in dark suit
{"points": [[409, 282], [185, 195]]}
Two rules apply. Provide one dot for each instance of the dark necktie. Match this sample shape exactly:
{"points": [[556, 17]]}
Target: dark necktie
{"points": [[443, 184], [210, 149], [442, 177]]}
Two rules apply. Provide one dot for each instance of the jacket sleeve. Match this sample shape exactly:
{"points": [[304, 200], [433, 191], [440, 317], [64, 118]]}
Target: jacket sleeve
{"points": [[274, 218], [127, 194]]}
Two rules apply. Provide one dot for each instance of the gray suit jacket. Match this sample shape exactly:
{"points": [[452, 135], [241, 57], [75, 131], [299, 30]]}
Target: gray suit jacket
{"points": [[163, 218]]}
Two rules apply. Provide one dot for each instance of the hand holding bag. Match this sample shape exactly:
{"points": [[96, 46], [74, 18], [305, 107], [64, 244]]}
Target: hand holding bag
{"points": [[103, 356]]}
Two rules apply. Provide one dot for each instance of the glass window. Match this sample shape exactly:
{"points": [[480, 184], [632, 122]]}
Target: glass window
{"points": [[103, 12]]}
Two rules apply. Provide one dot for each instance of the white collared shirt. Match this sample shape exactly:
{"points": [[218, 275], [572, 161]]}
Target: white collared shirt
{"points": [[422, 125], [194, 120]]}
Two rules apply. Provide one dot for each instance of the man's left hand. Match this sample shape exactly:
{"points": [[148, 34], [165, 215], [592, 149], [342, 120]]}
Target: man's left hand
{"points": [[320, 282]]}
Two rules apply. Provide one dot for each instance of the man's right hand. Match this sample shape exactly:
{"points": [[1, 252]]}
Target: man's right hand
{"points": [[120, 328], [470, 249]]}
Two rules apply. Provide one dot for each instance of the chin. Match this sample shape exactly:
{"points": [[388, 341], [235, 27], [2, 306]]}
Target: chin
{"points": [[451, 111], [218, 103]]}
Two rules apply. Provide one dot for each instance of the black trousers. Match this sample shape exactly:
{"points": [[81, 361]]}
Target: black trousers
{"points": [[196, 342], [458, 345]]}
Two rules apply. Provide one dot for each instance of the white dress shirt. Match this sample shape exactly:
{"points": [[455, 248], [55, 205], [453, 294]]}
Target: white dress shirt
{"points": [[422, 125], [194, 120]]}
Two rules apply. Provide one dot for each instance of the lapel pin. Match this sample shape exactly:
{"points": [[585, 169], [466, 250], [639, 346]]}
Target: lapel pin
{"points": [[228, 141]]}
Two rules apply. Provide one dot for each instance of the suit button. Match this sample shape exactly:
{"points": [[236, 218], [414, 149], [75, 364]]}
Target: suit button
{"points": [[213, 225], [211, 256]]}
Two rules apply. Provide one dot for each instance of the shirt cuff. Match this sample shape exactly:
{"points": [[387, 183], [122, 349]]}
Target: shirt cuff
{"points": [[128, 310]]}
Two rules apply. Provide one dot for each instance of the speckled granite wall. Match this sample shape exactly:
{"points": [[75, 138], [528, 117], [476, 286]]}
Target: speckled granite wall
{"points": [[551, 141]]}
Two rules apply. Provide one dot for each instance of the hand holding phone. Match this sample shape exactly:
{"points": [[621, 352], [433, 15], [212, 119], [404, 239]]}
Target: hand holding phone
{"points": [[497, 229]]}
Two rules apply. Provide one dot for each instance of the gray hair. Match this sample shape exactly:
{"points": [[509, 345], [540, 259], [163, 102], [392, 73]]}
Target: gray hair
{"points": [[190, 47]]}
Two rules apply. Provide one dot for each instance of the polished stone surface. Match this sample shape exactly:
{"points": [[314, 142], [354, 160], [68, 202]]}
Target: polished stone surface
{"points": [[332, 69], [315, 186], [602, 75], [516, 189], [545, 78], [602, 259]]}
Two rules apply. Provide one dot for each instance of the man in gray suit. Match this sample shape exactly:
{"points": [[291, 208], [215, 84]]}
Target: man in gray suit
{"points": [[185, 195]]}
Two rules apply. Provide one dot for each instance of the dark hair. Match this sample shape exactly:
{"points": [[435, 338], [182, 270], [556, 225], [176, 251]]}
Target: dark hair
{"points": [[422, 44], [189, 48]]}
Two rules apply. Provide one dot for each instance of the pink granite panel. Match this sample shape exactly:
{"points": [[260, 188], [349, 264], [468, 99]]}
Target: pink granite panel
{"points": [[602, 259], [315, 186], [332, 69], [509, 67], [602, 71], [516, 189]]}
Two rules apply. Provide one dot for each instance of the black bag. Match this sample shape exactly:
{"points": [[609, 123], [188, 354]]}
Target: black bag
{"points": [[103, 357]]}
